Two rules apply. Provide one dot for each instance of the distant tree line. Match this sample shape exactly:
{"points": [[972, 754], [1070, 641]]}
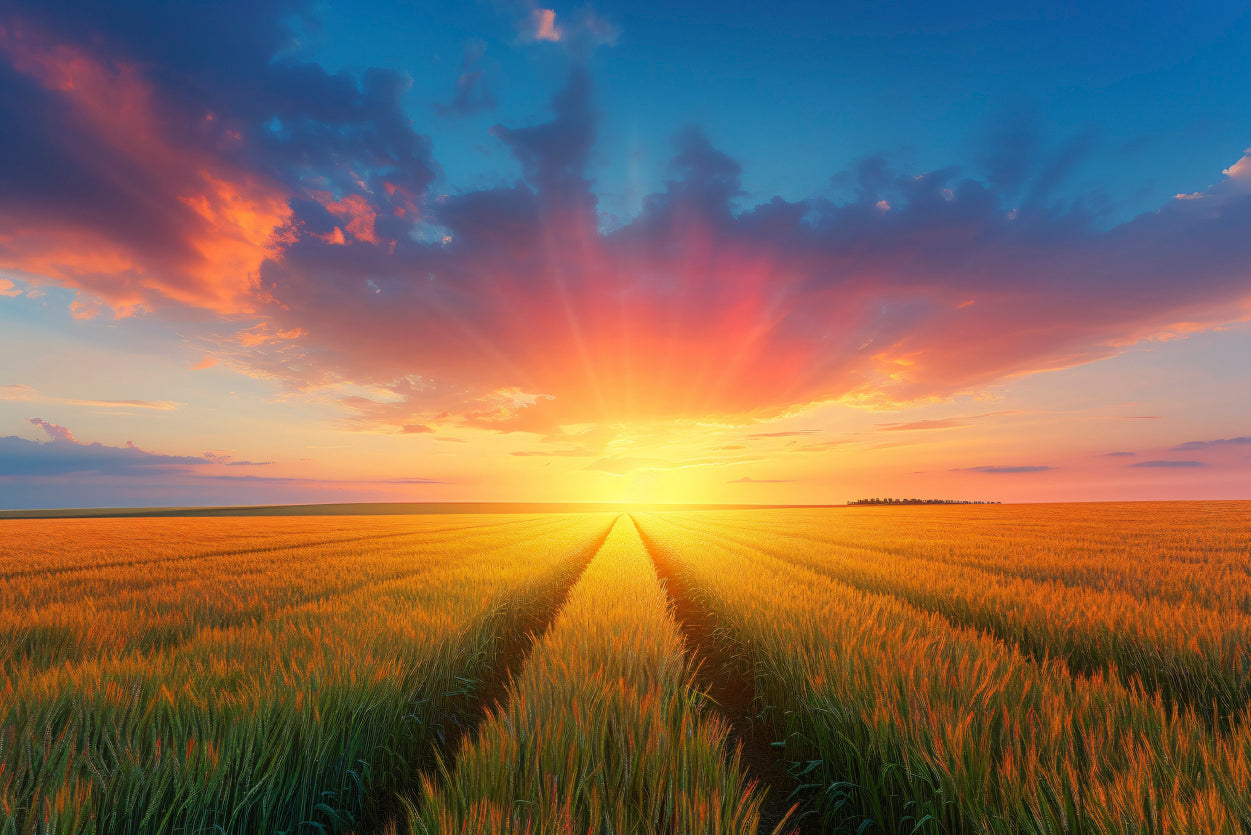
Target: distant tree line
{"points": [[916, 501]]}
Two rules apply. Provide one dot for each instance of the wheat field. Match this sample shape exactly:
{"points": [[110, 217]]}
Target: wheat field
{"points": [[967, 669]]}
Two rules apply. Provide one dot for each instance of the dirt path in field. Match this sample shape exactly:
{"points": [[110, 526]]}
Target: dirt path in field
{"points": [[514, 647], [733, 690]]}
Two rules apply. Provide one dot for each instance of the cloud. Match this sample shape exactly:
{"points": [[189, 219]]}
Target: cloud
{"points": [[207, 362], [54, 432], [770, 308], [579, 33], [1168, 464], [9, 289], [942, 423], [227, 459], [416, 429], [65, 472], [1192, 446], [63, 455], [543, 23], [750, 480], [1012, 470], [1119, 454], [146, 171], [473, 92], [295, 202], [27, 394], [570, 452]]}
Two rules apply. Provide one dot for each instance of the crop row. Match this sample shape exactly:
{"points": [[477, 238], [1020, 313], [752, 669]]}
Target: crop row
{"points": [[896, 715], [1188, 653], [138, 609], [1190, 553], [301, 718], [603, 730]]}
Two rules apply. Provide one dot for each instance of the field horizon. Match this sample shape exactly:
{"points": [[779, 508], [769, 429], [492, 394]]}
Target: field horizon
{"points": [[437, 508]]}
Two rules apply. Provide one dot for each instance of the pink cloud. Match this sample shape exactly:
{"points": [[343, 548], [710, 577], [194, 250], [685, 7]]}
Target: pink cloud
{"points": [[53, 431], [544, 23], [212, 222]]}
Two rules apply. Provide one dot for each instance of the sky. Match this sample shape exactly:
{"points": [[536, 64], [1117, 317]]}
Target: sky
{"points": [[276, 251]]}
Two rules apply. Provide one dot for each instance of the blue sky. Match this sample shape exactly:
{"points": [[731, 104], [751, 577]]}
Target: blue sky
{"points": [[798, 92]]}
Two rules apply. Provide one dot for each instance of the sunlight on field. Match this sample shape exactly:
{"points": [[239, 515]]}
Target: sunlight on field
{"points": [[1039, 668]]}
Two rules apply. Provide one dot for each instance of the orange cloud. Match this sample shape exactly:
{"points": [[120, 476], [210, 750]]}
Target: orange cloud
{"points": [[212, 224], [360, 217]]}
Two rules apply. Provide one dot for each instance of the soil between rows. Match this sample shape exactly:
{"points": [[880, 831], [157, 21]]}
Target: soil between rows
{"points": [[722, 678], [510, 655]]}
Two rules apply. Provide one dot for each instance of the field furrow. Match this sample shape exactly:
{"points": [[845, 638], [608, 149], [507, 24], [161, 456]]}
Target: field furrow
{"points": [[727, 679], [603, 730], [895, 715]]}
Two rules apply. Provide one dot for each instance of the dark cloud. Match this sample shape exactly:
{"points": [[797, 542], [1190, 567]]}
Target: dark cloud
{"points": [[1168, 464], [1119, 454], [1012, 470]]}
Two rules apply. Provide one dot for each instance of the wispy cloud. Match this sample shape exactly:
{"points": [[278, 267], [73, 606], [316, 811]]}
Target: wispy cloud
{"points": [[1008, 470], [1168, 464], [27, 394], [473, 91], [567, 452], [941, 423], [1194, 446]]}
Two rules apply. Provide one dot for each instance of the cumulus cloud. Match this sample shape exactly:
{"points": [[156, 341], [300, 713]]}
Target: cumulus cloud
{"points": [[268, 187], [63, 454]]}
